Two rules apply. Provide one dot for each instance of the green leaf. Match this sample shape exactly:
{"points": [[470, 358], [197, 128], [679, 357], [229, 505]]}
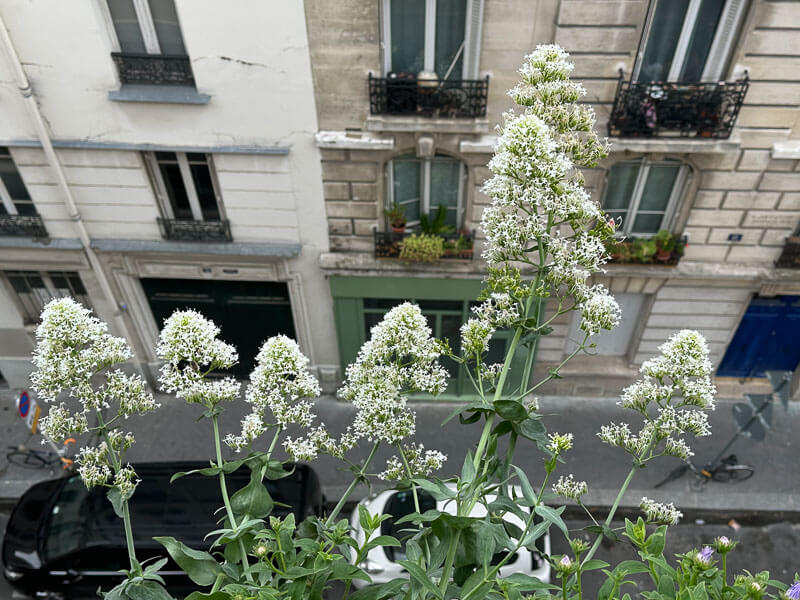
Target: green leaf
{"points": [[203, 596], [504, 504], [472, 418], [253, 499], [416, 518], [379, 592], [200, 566], [666, 586], [435, 488], [553, 516], [420, 576], [468, 470], [503, 428], [527, 583], [383, 540], [228, 467], [511, 410], [116, 500], [591, 565], [527, 490], [532, 429], [146, 590], [629, 567]]}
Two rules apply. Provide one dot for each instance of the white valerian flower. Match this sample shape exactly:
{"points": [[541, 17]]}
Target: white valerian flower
{"points": [[125, 481], [317, 441], [59, 423], [655, 512], [559, 442], [400, 356], [475, 337], [599, 311], [421, 463], [189, 346], [569, 488], [93, 465], [677, 448]]}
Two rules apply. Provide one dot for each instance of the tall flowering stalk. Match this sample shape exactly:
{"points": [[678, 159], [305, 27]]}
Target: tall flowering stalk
{"points": [[76, 372]]}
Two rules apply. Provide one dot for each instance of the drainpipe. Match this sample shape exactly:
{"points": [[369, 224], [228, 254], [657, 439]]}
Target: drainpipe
{"points": [[61, 181]]}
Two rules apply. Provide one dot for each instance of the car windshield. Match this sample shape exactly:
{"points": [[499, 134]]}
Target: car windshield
{"points": [[399, 505], [184, 509]]}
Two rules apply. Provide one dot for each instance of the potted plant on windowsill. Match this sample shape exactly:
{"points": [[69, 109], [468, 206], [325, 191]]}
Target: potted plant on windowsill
{"points": [[397, 218], [464, 245], [422, 247], [665, 245]]}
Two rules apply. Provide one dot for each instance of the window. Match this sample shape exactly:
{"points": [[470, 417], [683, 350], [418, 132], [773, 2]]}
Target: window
{"points": [[689, 40], [147, 27], [617, 341], [641, 196], [441, 36], [14, 197], [422, 185], [35, 289], [184, 185]]}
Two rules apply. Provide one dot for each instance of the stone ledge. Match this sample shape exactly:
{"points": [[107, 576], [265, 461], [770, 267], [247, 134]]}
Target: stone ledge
{"points": [[786, 150], [414, 124], [343, 140], [366, 264], [167, 94], [674, 145]]}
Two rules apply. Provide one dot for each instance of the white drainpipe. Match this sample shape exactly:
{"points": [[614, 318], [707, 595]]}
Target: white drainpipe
{"points": [[44, 137]]}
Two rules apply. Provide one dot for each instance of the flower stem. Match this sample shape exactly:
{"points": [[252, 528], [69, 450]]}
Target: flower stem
{"points": [[448, 562], [613, 510], [410, 476], [356, 480], [226, 499]]}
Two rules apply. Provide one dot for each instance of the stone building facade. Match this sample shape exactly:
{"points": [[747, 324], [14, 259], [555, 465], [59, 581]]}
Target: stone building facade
{"points": [[702, 103]]}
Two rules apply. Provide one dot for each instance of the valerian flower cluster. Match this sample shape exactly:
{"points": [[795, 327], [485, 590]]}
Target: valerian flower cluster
{"points": [[421, 463], [655, 512], [74, 359]]}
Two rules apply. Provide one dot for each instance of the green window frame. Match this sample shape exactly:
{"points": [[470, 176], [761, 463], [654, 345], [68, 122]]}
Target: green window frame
{"points": [[361, 302]]}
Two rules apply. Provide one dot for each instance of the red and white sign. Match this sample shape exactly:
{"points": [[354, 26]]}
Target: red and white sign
{"points": [[29, 410]]}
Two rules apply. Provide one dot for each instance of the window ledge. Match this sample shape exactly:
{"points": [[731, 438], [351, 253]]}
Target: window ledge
{"points": [[279, 249], [674, 145], [167, 94], [367, 263], [406, 124], [345, 140]]}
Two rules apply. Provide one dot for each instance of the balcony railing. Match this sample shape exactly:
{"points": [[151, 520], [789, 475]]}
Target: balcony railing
{"points": [[181, 230], [404, 94], [456, 245], [790, 257], [153, 69], [23, 225], [658, 109]]}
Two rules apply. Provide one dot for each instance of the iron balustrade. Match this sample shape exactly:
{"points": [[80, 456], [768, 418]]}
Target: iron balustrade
{"points": [[153, 69], [659, 109], [23, 225], [184, 230], [790, 257], [404, 94], [387, 244]]}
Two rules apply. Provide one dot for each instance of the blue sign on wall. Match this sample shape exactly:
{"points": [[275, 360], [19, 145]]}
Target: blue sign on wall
{"points": [[768, 339]]}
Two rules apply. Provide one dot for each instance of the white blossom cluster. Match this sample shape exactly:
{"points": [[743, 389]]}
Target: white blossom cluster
{"points": [[663, 514], [72, 349], [279, 383], [673, 398], [318, 441], [190, 349], [400, 356], [599, 311], [421, 463], [570, 488], [559, 442], [498, 310]]}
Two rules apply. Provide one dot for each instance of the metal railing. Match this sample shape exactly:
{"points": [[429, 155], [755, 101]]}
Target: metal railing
{"points": [[23, 225], [659, 109], [153, 69], [387, 244], [404, 94], [181, 230], [790, 257]]}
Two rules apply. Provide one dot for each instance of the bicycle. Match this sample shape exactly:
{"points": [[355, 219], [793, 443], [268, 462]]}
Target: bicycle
{"points": [[22, 456], [723, 470]]}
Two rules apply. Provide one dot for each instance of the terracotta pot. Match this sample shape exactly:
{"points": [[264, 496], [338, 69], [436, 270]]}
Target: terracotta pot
{"points": [[396, 229]]}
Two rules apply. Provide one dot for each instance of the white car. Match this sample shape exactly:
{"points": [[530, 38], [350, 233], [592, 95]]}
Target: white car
{"points": [[381, 562]]}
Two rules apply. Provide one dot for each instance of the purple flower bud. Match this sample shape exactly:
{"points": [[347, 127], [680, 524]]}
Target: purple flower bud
{"points": [[793, 593], [565, 562], [704, 556]]}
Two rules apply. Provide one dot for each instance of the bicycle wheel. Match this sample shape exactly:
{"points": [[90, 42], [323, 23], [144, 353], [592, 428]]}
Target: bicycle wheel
{"points": [[29, 459], [726, 473]]}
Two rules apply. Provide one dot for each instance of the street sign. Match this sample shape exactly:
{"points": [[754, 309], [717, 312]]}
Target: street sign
{"points": [[29, 410]]}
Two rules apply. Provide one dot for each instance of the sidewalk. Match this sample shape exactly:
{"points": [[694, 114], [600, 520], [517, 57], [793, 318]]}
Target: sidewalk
{"points": [[173, 433]]}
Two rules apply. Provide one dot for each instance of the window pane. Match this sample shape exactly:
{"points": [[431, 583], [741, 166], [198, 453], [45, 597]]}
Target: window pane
{"points": [[382, 303], [205, 191], [176, 191], [167, 27], [621, 181], [126, 25], [702, 37], [662, 39], [12, 180], [408, 35], [450, 20], [445, 183], [647, 223], [451, 331], [441, 305], [406, 176], [658, 188]]}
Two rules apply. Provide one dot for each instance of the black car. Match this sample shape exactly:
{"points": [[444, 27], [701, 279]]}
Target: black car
{"points": [[62, 538]]}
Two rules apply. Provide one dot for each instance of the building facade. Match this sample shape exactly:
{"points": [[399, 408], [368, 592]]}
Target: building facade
{"points": [[147, 165], [700, 100]]}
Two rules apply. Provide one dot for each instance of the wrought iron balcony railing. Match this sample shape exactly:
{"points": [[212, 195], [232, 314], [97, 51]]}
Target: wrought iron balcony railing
{"points": [[456, 245], [790, 257], [23, 225], [404, 94], [181, 230], [658, 109], [153, 69]]}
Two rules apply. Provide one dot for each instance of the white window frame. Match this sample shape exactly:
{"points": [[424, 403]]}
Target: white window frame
{"points": [[5, 196], [191, 192], [730, 20], [146, 26], [51, 289], [470, 51], [425, 187], [678, 190]]}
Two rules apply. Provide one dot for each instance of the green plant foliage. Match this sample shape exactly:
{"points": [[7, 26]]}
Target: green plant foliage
{"points": [[422, 247]]}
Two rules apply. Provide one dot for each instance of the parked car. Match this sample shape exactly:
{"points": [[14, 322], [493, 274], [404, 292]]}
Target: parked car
{"points": [[62, 538], [381, 563]]}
